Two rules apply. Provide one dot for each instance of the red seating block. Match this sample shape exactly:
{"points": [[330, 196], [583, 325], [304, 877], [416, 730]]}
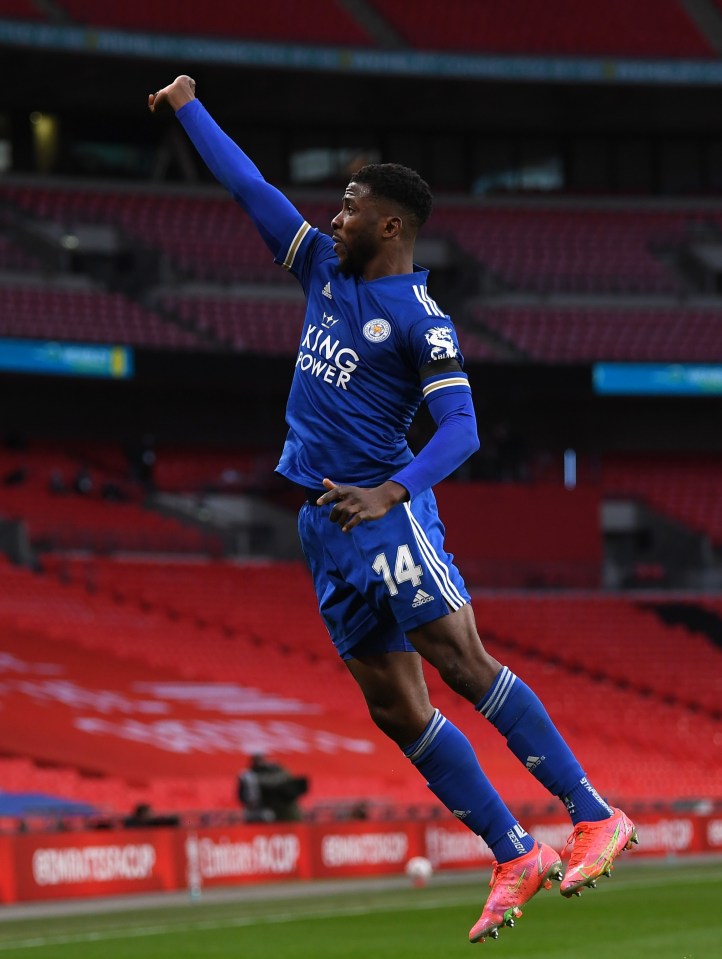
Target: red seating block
{"points": [[684, 488], [86, 316], [276, 20], [579, 335], [223, 623], [624, 28]]}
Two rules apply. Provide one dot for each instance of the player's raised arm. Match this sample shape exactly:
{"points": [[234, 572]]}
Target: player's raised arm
{"points": [[277, 219]]}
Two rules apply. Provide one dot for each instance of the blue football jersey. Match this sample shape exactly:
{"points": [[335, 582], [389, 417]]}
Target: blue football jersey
{"points": [[356, 383], [356, 386]]}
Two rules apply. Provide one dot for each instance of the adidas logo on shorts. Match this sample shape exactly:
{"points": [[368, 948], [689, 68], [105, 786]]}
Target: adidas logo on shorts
{"points": [[421, 598]]}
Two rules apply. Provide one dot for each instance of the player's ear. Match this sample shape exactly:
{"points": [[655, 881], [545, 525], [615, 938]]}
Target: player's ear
{"points": [[393, 226]]}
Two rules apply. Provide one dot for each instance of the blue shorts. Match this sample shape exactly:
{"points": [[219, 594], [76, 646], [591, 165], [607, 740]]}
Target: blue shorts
{"points": [[383, 578]]}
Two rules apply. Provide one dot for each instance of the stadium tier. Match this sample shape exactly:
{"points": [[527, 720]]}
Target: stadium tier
{"points": [[570, 248], [21, 10], [203, 237], [582, 335], [90, 316], [72, 522], [14, 258], [684, 488], [504, 534], [616, 639], [513, 534], [271, 326], [623, 28], [531, 247], [633, 28], [197, 469], [162, 677], [535, 249], [88, 501], [279, 20], [257, 325]]}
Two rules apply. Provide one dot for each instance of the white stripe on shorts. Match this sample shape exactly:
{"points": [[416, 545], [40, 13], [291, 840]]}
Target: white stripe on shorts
{"points": [[439, 570]]}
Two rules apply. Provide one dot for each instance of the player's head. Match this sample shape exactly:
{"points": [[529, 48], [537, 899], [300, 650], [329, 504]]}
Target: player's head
{"points": [[401, 185], [383, 202]]}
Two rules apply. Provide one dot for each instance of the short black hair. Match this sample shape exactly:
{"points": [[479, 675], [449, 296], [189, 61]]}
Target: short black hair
{"points": [[400, 184]]}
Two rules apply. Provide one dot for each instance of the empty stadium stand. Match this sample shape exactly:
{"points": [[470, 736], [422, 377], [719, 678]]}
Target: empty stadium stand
{"points": [[22, 10], [14, 258], [615, 639], [635, 28], [260, 325], [39, 488], [534, 249], [507, 535], [582, 335], [123, 634], [684, 488], [278, 20], [187, 469], [90, 316], [623, 28], [571, 247], [138, 663], [209, 238]]}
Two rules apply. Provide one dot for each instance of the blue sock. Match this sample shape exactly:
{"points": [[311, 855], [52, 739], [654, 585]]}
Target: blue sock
{"points": [[444, 756], [518, 714], [584, 804]]}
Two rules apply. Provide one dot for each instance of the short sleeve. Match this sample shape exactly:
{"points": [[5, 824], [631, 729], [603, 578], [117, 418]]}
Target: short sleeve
{"points": [[434, 338]]}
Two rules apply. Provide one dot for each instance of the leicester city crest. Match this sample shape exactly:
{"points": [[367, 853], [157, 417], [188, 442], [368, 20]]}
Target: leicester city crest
{"points": [[376, 331]]}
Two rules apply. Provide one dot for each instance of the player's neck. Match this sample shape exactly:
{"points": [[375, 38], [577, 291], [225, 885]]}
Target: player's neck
{"points": [[393, 263]]}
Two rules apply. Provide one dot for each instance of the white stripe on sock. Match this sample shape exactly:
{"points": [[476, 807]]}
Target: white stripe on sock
{"points": [[433, 731], [503, 687]]}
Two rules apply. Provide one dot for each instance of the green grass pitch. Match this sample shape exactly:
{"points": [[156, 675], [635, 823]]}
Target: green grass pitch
{"points": [[664, 911]]}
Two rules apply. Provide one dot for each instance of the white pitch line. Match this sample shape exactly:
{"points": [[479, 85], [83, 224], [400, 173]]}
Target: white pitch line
{"points": [[285, 917]]}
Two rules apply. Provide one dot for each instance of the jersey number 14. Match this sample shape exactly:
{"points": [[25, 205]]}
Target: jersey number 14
{"points": [[405, 570]]}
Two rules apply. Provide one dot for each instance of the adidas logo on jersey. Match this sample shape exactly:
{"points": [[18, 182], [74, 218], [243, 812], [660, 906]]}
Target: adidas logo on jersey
{"points": [[327, 291], [421, 598]]}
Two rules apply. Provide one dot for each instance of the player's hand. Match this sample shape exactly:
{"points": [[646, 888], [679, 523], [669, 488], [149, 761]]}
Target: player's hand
{"points": [[174, 96], [354, 504]]}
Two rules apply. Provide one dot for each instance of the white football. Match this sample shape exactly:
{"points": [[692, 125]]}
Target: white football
{"points": [[419, 870]]}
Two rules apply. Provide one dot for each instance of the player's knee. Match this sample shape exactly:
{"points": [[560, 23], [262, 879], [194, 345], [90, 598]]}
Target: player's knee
{"points": [[468, 675], [397, 720], [386, 715], [458, 676]]}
